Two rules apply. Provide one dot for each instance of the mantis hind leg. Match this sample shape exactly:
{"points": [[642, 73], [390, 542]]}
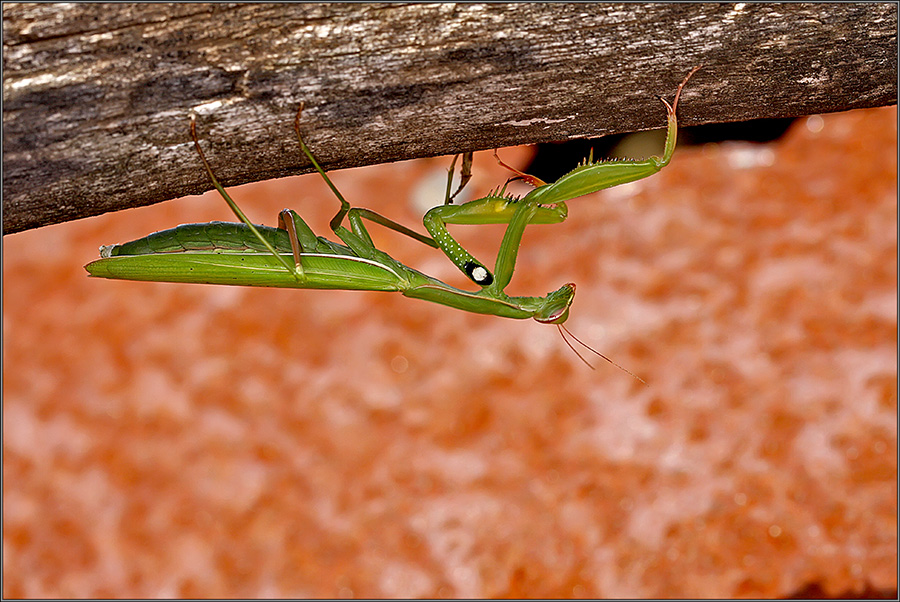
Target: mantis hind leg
{"points": [[234, 206]]}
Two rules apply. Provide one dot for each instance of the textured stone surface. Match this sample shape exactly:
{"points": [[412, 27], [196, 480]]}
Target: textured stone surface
{"points": [[182, 440]]}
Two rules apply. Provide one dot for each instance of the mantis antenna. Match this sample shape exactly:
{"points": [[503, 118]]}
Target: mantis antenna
{"points": [[562, 329]]}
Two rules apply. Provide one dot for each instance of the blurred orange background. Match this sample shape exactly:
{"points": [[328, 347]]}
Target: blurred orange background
{"points": [[166, 440]]}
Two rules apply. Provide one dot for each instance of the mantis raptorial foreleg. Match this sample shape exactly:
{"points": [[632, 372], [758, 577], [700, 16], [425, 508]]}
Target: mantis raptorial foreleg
{"points": [[509, 248], [492, 209], [591, 176], [587, 178]]}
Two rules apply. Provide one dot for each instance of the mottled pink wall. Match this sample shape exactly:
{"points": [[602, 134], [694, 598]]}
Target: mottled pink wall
{"points": [[187, 440]]}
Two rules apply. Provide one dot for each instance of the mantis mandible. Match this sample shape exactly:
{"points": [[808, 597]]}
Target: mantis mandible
{"points": [[293, 256]]}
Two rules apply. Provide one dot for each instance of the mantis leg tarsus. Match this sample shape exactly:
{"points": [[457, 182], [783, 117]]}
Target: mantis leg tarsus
{"points": [[672, 130], [680, 87], [527, 178], [465, 174], [448, 198]]}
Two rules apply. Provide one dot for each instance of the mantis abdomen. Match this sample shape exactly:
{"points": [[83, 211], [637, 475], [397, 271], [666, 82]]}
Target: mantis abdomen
{"points": [[211, 236]]}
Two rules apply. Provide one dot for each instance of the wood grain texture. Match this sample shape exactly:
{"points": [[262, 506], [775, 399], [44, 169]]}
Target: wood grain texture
{"points": [[97, 97]]}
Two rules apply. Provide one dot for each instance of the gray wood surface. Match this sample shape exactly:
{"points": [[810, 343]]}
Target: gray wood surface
{"points": [[96, 97]]}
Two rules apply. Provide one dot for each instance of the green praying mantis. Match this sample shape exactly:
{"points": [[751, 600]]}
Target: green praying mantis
{"points": [[292, 256]]}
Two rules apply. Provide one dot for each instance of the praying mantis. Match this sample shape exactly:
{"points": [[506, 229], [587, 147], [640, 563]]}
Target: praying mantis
{"points": [[292, 256]]}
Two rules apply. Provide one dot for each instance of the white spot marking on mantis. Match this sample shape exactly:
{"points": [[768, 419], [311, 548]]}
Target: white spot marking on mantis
{"points": [[479, 274]]}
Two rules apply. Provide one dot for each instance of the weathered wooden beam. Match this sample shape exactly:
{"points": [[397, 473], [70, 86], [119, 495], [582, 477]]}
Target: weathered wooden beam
{"points": [[96, 97]]}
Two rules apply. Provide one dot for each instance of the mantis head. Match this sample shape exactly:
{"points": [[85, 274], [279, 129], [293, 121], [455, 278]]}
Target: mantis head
{"points": [[555, 309]]}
